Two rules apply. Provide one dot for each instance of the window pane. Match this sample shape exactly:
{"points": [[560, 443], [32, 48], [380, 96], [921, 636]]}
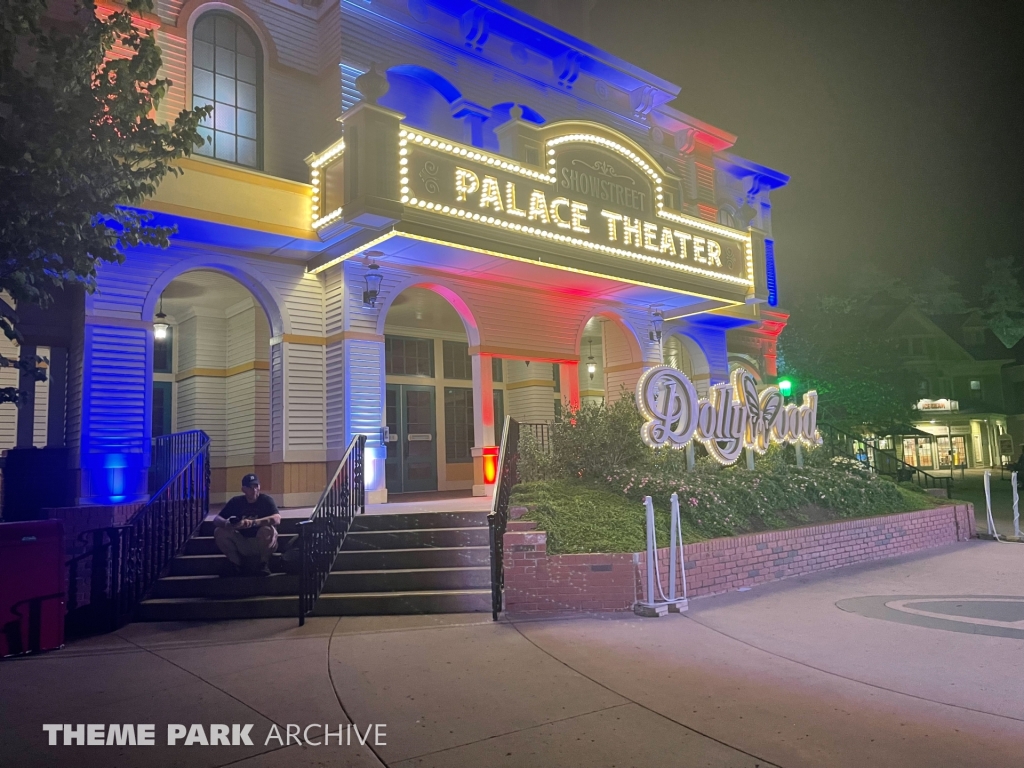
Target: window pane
{"points": [[246, 68], [497, 371], [226, 89], [202, 83], [408, 357], [206, 149], [225, 62], [458, 416], [247, 152], [247, 96], [245, 44], [162, 353], [202, 55], [499, 415], [247, 124], [224, 146], [204, 29], [457, 363], [198, 101], [225, 118], [226, 32]]}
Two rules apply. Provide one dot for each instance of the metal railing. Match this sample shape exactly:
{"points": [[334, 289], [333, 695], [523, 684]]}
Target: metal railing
{"points": [[541, 433], [878, 460], [321, 537], [170, 453], [497, 520], [124, 561]]}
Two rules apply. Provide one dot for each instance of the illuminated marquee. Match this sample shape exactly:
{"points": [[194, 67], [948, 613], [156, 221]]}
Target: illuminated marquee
{"points": [[596, 195], [734, 416]]}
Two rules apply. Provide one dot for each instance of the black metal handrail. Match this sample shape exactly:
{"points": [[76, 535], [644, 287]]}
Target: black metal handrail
{"points": [[321, 537], [497, 520], [170, 453], [541, 432], [124, 561], [878, 460]]}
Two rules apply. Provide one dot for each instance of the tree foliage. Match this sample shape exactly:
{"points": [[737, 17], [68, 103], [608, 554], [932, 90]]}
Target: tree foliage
{"points": [[833, 346], [79, 141], [1003, 300]]}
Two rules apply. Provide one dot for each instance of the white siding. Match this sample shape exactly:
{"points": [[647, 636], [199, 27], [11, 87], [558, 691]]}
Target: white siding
{"points": [[304, 393], [8, 411]]}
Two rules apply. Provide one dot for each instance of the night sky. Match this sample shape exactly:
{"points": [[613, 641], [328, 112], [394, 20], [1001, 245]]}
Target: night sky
{"points": [[899, 123]]}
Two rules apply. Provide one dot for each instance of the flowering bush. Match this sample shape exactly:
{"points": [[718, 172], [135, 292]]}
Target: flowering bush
{"points": [[736, 500], [598, 471]]}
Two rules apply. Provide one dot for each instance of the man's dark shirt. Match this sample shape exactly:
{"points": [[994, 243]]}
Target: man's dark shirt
{"points": [[264, 506]]}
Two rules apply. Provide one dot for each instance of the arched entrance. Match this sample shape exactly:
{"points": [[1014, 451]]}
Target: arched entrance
{"points": [[684, 354], [430, 399], [611, 359], [211, 371]]}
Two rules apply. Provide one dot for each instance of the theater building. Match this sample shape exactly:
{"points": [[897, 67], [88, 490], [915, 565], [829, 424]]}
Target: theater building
{"points": [[411, 218]]}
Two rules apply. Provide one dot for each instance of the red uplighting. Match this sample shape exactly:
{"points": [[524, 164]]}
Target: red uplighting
{"points": [[490, 457]]}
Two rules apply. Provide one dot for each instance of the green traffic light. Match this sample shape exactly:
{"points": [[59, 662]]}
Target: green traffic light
{"points": [[785, 387]]}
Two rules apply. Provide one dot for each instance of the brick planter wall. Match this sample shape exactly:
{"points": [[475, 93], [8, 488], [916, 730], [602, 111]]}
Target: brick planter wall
{"points": [[537, 583]]}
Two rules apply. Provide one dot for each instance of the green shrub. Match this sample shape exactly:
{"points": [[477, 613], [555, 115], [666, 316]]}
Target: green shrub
{"points": [[580, 518], [586, 443]]}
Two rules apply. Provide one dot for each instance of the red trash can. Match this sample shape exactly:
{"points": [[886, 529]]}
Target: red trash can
{"points": [[32, 594]]}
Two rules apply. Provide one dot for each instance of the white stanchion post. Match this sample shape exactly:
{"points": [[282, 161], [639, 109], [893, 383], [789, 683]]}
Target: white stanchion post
{"points": [[988, 505], [651, 607], [1016, 505], [676, 603], [673, 535], [799, 455], [656, 603]]}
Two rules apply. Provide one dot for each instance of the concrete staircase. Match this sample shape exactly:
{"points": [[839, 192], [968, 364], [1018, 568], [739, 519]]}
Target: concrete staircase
{"points": [[420, 562]]}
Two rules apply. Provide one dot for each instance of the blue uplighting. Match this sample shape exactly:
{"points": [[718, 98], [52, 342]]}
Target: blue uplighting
{"points": [[769, 267]]}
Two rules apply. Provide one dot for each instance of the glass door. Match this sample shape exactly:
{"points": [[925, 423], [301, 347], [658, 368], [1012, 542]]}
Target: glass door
{"points": [[411, 463]]}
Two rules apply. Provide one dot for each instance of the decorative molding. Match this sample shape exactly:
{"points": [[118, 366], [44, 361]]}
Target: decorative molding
{"points": [[334, 338], [546, 383], [513, 353], [223, 373], [313, 341]]}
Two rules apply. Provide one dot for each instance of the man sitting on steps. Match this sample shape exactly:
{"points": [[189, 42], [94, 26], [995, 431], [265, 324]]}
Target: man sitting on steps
{"points": [[246, 530]]}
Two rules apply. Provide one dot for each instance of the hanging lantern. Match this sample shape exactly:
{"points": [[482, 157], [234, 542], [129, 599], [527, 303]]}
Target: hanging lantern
{"points": [[160, 327], [657, 321], [373, 280], [591, 365]]}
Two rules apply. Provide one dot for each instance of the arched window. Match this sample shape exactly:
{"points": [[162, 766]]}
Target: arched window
{"points": [[227, 74]]}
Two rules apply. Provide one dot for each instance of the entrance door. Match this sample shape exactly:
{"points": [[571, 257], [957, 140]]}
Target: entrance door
{"points": [[412, 450]]}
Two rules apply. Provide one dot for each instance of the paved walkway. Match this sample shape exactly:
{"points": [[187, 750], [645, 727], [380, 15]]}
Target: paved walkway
{"points": [[904, 671]]}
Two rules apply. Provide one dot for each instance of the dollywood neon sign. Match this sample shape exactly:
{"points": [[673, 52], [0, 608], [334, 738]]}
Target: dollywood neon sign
{"points": [[732, 417]]}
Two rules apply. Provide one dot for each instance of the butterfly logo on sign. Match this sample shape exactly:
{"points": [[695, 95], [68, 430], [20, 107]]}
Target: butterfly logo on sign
{"points": [[732, 417]]}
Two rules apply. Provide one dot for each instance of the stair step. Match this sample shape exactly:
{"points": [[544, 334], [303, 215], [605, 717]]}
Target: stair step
{"points": [[278, 584], [215, 587], [209, 565], [397, 603], [419, 557], [406, 521], [289, 526], [206, 609], [205, 545], [409, 580], [520, 525], [416, 537]]}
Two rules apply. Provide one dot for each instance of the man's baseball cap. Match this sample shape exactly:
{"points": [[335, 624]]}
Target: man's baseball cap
{"points": [[250, 480]]}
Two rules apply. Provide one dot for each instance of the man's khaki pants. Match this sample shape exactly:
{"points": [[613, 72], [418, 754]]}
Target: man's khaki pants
{"points": [[235, 546]]}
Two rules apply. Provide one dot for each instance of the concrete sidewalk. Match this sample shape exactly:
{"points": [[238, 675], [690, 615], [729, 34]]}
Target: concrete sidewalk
{"points": [[906, 671]]}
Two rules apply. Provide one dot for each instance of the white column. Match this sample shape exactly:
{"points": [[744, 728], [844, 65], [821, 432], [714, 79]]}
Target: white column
{"points": [[484, 453]]}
